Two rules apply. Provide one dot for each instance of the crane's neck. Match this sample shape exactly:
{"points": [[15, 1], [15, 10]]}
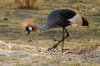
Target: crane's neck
{"points": [[41, 28]]}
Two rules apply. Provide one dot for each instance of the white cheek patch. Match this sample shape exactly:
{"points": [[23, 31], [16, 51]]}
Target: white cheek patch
{"points": [[76, 20], [30, 28]]}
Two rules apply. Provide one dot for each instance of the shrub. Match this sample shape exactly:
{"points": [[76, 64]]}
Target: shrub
{"points": [[28, 4]]}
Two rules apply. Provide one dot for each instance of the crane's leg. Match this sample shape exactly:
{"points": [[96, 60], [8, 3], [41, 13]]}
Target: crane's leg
{"points": [[52, 48], [66, 32], [63, 40]]}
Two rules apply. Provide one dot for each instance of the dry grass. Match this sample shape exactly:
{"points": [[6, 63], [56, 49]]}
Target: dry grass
{"points": [[28, 4]]}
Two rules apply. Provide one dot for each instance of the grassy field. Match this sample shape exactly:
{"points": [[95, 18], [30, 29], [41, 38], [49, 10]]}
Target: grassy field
{"points": [[81, 38]]}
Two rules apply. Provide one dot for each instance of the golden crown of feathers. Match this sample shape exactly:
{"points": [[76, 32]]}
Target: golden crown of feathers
{"points": [[26, 22]]}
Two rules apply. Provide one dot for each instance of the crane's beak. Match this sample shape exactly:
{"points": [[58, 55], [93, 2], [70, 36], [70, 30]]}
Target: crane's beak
{"points": [[28, 33]]}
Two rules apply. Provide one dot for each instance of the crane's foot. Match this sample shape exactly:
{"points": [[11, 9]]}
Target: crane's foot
{"points": [[52, 48]]}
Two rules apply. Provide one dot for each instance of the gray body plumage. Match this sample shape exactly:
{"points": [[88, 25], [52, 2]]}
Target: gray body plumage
{"points": [[59, 18], [63, 18]]}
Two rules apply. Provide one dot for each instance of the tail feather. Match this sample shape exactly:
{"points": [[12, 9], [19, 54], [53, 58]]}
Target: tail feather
{"points": [[85, 22]]}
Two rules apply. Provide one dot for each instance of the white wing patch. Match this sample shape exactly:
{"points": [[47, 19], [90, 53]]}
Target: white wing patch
{"points": [[76, 20]]}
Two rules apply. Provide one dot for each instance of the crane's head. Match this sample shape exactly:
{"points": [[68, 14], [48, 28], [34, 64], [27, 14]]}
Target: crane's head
{"points": [[78, 20], [30, 28], [27, 24]]}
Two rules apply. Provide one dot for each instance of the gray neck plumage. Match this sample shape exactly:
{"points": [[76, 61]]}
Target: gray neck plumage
{"points": [[44, 27]]}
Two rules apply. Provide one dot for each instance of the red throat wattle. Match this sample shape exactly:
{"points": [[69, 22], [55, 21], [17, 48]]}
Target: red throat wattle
{"points": [[34, 30]]}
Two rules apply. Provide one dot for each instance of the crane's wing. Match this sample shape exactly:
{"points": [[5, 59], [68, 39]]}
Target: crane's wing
{"points": [[59, 17]]}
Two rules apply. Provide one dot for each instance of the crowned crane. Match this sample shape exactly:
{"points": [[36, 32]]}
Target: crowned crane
{"points": [[59, 18]]}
